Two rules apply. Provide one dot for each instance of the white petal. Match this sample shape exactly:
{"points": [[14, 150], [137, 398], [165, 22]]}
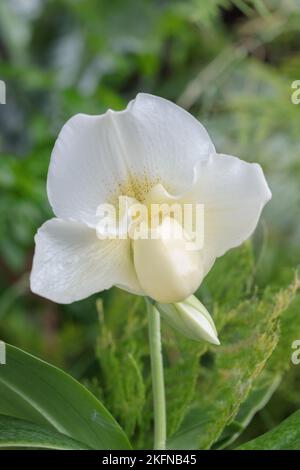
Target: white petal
{"points": [[167, 271], [71, 263], [86, 166], [163, 142], [151, 141], [234, 193]]}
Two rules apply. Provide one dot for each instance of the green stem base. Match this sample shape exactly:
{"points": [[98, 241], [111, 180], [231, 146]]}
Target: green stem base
{"points": [[158, 386]]}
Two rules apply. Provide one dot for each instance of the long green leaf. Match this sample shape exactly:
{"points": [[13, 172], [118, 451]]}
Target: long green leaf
{"points": [[38, 392], [286, 436], [17, 433]]}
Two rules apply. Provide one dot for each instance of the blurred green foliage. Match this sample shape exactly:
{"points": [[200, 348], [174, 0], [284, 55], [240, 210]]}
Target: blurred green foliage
{"points": [[229, 62]]}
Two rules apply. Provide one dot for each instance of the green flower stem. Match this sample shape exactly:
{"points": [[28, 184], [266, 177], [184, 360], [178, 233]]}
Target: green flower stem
{"points": [[157, 370]]}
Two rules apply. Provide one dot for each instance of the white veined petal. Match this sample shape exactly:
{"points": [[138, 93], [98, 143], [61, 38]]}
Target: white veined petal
{"points": [[94, 157], [71, 263], [234, 193], [163, 141], [85, 168]]}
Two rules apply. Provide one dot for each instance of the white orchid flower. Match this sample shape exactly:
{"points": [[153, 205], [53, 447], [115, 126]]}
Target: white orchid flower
{"points": [[152, 152]]}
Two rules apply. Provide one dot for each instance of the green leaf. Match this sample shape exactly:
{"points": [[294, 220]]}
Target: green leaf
{"points": [[259, 396], [229, 372], [286, 436], [17, 433], [271, 377], [184, 356], [38, 392], [121, 348], [228, 286], [182, 360], [290, 330]]}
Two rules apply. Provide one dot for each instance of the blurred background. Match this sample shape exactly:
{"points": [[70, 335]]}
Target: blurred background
{"points": [[230, 63]]}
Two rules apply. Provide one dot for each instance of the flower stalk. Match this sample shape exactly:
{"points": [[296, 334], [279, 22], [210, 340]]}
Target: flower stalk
{"points": [[157, 371]]}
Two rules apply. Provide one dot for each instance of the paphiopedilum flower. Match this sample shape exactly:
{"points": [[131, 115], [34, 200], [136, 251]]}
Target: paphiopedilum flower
{"points": [[152, 152]]}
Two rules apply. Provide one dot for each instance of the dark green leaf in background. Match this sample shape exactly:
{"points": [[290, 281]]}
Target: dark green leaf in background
{"points": [[17, 433], [286, 436], [32, 390]]}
